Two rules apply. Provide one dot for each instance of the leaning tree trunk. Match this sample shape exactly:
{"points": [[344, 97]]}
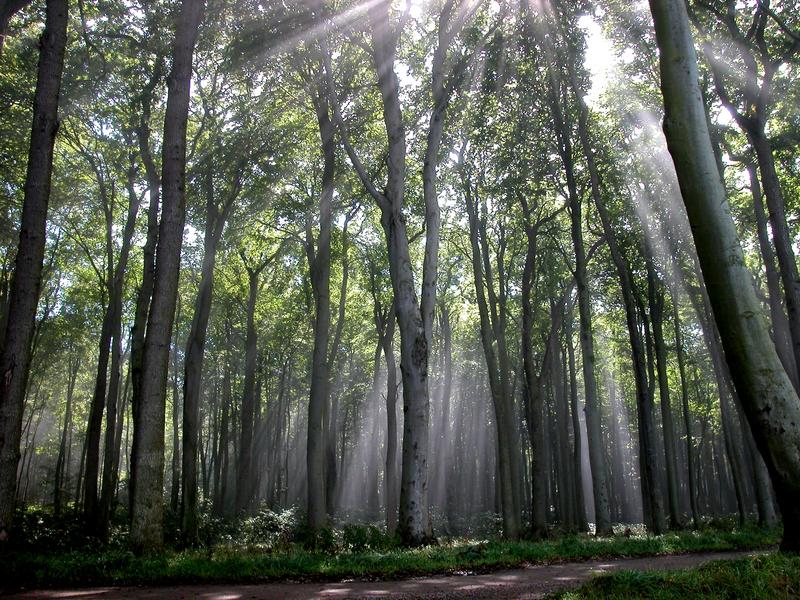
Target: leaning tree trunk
{"points": [[25, 287], [147, 506], [767, 395]]}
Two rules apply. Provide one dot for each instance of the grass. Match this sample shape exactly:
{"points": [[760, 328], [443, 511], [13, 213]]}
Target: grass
{"points": [[773, 576], [120, 567]]}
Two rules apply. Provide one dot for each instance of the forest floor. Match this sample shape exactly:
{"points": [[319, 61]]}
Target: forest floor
{"points": [[533, 581]]}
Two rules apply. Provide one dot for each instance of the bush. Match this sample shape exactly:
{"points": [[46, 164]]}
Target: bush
{"points": [[269, 529]]}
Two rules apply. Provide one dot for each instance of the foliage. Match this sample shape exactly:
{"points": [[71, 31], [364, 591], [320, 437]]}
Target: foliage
{"points": [[774, 576], [360, 553]]}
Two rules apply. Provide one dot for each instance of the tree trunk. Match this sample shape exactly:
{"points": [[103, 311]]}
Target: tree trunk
{"points": [[656, 303], [63, 454], [148, 510], [781, 332], [687, 417], [320, 267], [494, 346], [414, 520], [145, 289], [244, 466], [26, 284], [111, 449], [577, 452], [768, 397], [175, 463], [787, 262], [192, 383]]}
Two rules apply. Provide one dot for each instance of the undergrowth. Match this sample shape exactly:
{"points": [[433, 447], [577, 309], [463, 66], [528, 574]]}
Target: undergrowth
{"points": [[773, 576], [271, 547]]}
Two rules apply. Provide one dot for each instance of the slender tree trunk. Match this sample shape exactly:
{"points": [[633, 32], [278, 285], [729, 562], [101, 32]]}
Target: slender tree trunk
{"points": [[63, 454], [148, 510], [768, 397], [145, 290], [193, 376], [656, 302], [687, 417], [175, 463], [244, 466], [320, 266], [95, 422], [414, 520], [577, 452], [26, 284], [787, 262], [781, 331], [111, 449], [493, 341]]}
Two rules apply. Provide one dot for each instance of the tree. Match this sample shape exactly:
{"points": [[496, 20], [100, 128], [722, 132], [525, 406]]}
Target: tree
{"points": [[148, 457], [26, 284], [768, 397]]}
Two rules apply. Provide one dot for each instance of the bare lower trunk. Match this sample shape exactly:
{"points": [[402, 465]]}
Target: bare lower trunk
{"points": [[145, 290], [577, 451], [62, 463], [148, 459], [656, 302], [767, 395], [390, 475], [26, 284], [244, 466], [687, 417]]}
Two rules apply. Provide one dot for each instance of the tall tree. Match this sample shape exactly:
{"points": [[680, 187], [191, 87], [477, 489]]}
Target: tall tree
{"points": [[148, 458], [768, 397], [26, 283]]}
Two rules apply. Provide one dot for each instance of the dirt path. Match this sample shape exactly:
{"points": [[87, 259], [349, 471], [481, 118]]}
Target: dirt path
{"points": [[528, 582]]}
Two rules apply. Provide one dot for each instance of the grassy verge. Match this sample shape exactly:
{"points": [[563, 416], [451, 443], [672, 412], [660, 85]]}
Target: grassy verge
{"points": [[119, 567], [773, 576]]}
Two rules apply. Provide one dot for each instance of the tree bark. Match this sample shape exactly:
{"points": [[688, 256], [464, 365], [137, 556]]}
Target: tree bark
{"points": [[148, 510], [216, 219], [146, 288], [768, 397], [26, 284], [577, 451], [63, 454], [687, 417], [655, 295], [320, 267], [781, 332], [494, 348], [111, 449]]}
